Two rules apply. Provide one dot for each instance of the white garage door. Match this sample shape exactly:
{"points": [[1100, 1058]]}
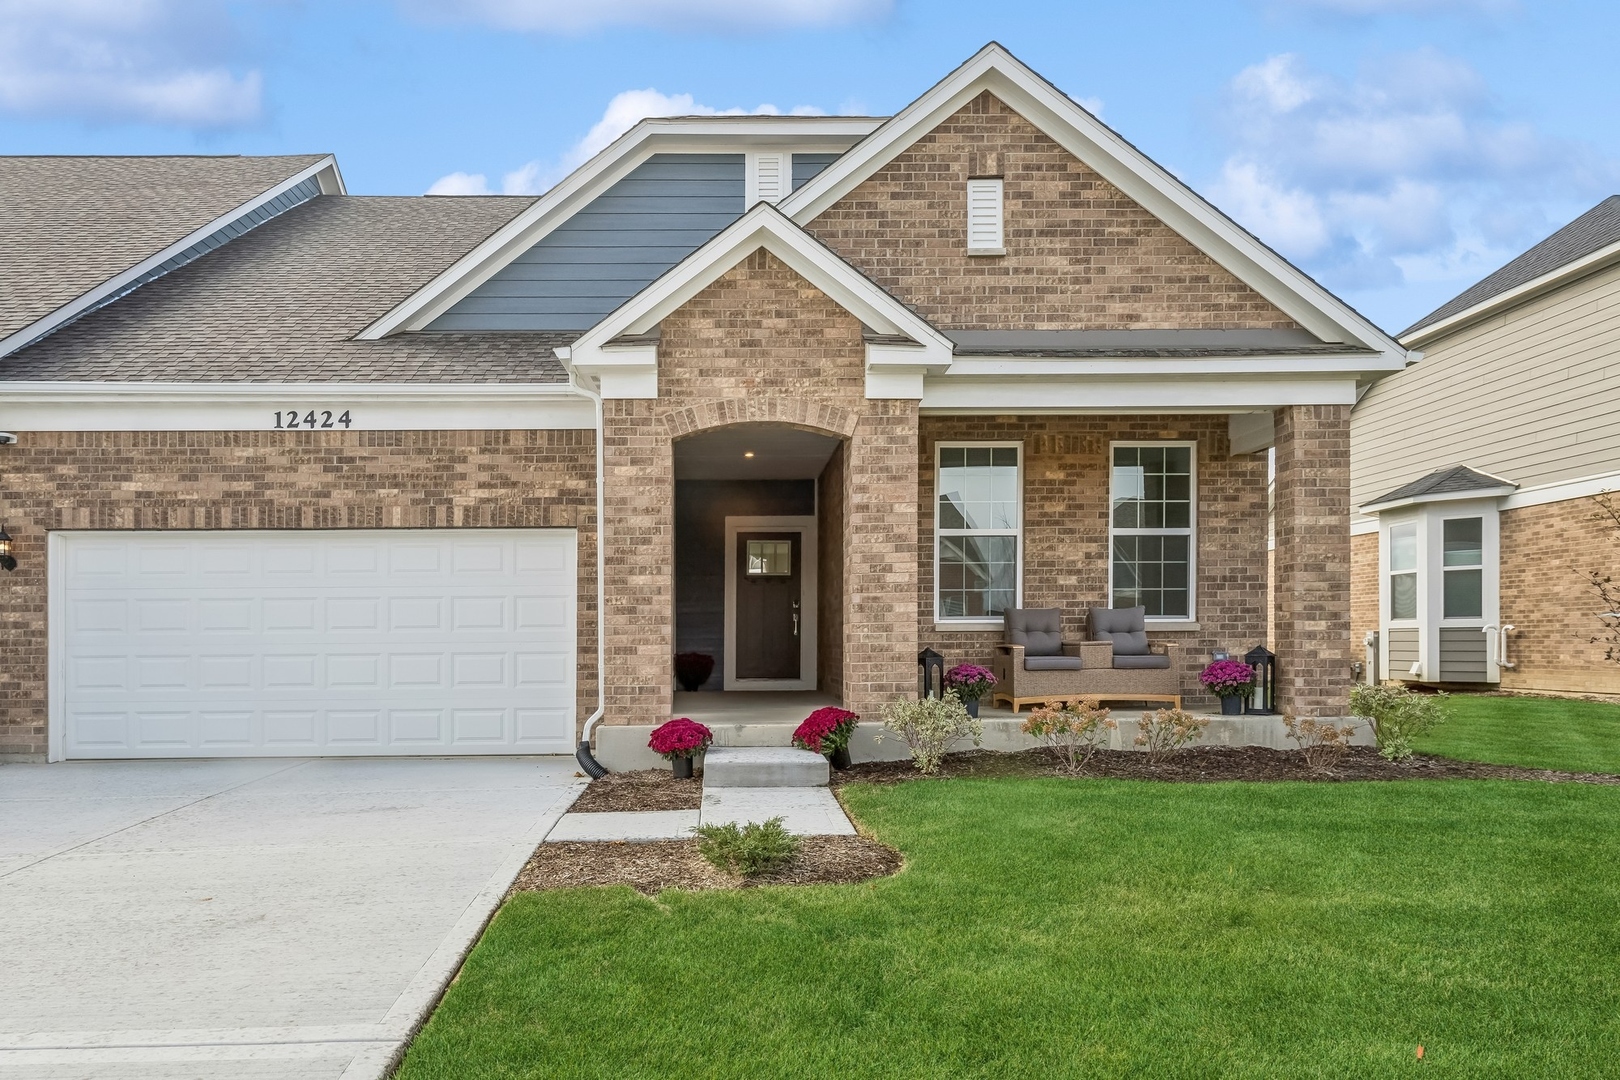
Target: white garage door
{"points": [[389, 641]]}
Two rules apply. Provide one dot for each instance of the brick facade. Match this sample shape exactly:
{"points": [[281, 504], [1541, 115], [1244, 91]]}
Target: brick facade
{"points": [[1546, 552], [1080, 253], [760, 345], [275, 480], [1312, 559], [1066, 506]]}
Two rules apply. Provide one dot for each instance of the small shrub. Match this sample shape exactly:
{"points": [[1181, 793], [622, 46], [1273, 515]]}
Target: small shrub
{"points": [[970, 681], [929, 726], [1072, 732], [1397, 716], [680, 738], [1168, 729], [825, 730], [1322, 744], [750, 850]]}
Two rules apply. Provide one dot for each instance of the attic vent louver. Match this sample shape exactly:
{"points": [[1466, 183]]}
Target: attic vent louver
{"points": [[984, 217], [767, 177]]}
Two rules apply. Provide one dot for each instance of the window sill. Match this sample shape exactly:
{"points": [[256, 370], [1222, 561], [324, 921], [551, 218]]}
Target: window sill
{"points": [[986, 251], [970, 626]]}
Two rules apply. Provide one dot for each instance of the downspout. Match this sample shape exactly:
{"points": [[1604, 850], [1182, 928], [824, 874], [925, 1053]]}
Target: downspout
{"points": [[583, 755]]}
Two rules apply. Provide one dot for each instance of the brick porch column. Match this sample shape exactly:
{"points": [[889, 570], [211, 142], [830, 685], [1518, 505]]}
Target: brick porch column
{"points": [[638, 537], [880, 559], [1312, 556]]}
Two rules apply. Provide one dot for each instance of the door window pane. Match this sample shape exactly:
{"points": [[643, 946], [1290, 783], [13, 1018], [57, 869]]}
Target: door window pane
{"points": [[1464, 542], [1464, 593], [770, 558]]}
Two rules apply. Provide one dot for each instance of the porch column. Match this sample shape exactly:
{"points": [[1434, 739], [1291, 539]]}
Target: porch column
{"points": [[880, 558], [1312, 559], [638, 538]]}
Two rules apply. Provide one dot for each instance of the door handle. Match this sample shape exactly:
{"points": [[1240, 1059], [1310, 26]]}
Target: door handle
{"points": [[795, 624]]}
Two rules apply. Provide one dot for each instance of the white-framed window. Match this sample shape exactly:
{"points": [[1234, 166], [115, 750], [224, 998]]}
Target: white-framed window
{"points": [[1403, 571], [1152, 522], [978, 530], [1462, 568], [984, 214]]}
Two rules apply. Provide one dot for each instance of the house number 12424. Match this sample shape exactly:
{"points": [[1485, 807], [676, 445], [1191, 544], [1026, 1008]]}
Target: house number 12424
{"points": [[323, 418]]}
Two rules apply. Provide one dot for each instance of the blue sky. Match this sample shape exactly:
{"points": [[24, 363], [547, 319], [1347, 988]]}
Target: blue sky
{"points": [[1397, 149]]}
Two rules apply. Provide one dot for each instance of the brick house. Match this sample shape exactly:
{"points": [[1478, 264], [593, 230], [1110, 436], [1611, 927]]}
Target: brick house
{"points": [[1476, 525], [299, 472]]}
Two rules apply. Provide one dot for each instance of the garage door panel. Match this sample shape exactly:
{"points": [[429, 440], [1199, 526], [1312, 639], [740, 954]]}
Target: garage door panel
{"points": [[356, 642]]}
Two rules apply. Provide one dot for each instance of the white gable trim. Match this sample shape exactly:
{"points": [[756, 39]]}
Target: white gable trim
{"points": [[994, 69], [331, 181], [679, 135], [895, 368]]}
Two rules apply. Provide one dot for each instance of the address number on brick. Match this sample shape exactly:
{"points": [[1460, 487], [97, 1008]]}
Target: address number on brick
{"points": [[314, 419]]}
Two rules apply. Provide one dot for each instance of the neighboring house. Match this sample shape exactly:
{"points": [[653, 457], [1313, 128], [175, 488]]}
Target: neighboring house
{"points": [[1474, 470], [843, 389]]}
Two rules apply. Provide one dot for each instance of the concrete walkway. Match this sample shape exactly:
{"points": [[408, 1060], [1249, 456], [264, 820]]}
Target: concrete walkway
{"points": [[261, 920], [805, 811]]}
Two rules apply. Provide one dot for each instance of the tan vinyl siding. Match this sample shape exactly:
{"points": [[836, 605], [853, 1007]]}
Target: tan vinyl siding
{"points": [[1530, 395], [1462, 654], [1403, 651]]}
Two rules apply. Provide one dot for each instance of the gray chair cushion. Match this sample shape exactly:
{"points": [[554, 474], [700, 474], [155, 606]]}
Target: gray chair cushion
{"points": [[1125, 627], [1038, 630], [1131, 644], [1053, 663], [1151, 660]]}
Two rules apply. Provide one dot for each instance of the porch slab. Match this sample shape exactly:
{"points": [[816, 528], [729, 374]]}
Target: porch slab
{"points": [[805, 811], [646, 825], [763, 767]]}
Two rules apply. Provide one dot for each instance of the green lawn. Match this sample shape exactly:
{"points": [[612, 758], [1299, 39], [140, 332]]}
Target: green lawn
{"points": [[1049, 928], [1542, 733]]}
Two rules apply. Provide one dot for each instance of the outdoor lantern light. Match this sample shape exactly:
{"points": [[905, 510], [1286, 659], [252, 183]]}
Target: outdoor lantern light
{"points": [[932, 682], [1264, 698], [8, 561]]}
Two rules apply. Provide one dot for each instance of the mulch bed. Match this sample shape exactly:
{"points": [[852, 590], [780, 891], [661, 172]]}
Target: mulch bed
{"points": [[1204, 764], [652, 866], [645, 789]]}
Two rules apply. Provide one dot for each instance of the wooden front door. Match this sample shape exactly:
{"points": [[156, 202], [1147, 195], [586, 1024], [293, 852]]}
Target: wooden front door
{"points": [[770, 614]]}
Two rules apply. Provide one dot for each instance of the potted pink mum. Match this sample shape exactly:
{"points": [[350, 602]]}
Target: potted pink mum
{"points": [[678, 742], [971, 682], [826, 731], [1231, 681]]}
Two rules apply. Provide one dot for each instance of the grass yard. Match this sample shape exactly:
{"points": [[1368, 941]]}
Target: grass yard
{"points": [[1062, 928], [1542, 733]]}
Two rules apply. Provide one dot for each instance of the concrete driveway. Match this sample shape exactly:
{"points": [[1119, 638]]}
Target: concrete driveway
{"points": [[251, 919]]}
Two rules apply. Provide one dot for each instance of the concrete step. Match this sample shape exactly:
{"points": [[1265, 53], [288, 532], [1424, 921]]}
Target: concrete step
{"points": [[763, 767]]}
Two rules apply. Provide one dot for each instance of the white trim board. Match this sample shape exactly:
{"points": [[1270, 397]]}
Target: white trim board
{"points": [[1540, 495], [995, 69], [808, 528], [331, 184], [146, 406], [954, 393], [691, 135]]}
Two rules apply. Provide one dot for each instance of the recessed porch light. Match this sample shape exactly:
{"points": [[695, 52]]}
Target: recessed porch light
{"points": [[748, 453]]}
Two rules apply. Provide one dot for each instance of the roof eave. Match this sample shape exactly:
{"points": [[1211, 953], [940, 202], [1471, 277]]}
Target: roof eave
{"points": [[1498, 492]]}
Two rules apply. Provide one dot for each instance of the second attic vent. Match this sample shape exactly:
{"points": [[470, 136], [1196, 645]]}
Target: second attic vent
{"points": [[767, 178]]}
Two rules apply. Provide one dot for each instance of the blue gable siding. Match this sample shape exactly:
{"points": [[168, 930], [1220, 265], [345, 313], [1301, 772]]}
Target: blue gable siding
{"points": [[807, 165], [620, 243]]}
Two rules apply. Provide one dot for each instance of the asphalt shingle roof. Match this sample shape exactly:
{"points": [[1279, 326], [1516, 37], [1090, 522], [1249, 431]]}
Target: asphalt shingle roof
{"points": [[282, 304], [67, 224], [1448, 481], [1596, 229]]}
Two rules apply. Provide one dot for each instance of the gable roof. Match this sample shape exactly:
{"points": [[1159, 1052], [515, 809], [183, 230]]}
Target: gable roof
{"points": [[1452, 482], [996, 70], [891, 322], [679, 134], [1595, 233], [281, 304], [77, 231]]}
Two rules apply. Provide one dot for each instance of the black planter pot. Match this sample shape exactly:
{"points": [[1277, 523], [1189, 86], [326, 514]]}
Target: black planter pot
{"points": [[839, 758], [682, 767], [972, 706], [1232, 706]]}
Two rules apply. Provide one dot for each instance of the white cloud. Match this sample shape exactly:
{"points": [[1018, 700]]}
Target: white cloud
{"points": [[1396, 176], [572, 16], [110, 61], [622, 113]]}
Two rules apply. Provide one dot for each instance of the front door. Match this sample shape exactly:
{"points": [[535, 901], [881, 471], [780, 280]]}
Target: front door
{"points": [[770, 616]]}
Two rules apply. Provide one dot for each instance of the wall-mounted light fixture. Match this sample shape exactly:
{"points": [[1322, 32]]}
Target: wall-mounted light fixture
{"points": [[8, 561]]}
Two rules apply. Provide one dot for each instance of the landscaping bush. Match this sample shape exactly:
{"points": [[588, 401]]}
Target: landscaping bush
{"points": [[929, 726], [1397, 716], [1072, 732], [825, 730], [749, 850], [1322, 744], [1168, 729]]}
